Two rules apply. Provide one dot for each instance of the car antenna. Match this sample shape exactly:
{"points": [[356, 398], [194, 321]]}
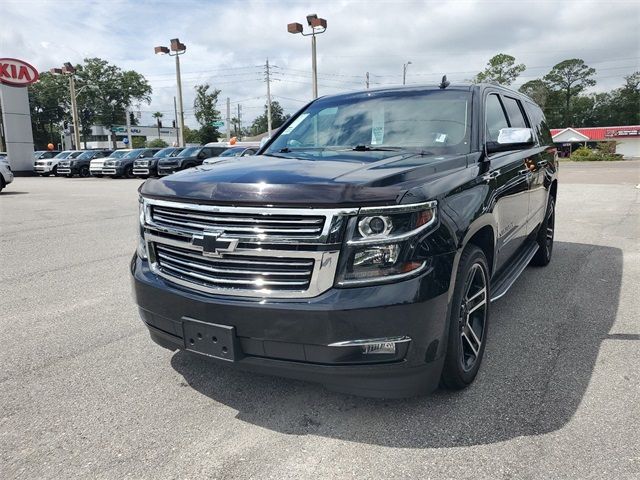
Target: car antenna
{"points": [[445, 83]]}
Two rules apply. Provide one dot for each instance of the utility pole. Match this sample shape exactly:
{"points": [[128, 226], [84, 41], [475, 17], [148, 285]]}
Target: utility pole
{"points": [[74, 111], [367, 80], [404, 72], [268, 101], [239, 119], [228, 119], [181, 123], [128, 115], [175, 122]]}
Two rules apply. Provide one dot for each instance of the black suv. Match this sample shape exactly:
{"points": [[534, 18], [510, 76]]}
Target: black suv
{"points": [[80, 164], [362, 246], [187, 158], [148, 167], [123, 167]]}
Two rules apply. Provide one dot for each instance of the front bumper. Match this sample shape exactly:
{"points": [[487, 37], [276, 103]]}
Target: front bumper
{"points": [[113, 171], [7, 175], [292, 338], [95, 170], [144, 171], [43, 168], [71, 170]]}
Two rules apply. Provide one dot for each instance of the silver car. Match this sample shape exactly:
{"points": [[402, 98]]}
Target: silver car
{"points": [[6, 175]]}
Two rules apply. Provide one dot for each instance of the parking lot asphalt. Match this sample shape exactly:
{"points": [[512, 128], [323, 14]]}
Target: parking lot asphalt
{"points": [[84, 392]]}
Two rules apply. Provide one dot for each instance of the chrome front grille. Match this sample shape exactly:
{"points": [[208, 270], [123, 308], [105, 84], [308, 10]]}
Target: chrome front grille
{"points": [[263, 225], [277, 252], [235, 270]]}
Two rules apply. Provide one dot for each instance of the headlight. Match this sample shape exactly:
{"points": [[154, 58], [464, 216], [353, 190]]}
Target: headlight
{"points": [[142, 246], [382, 243], [49, 163], [117, 163]]}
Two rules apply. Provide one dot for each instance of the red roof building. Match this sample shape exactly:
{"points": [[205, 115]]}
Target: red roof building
{"points": [[627, 137]]}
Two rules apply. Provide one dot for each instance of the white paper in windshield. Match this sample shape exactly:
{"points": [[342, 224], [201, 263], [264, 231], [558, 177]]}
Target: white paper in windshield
{"points": [[295, 123], [377, 127]]}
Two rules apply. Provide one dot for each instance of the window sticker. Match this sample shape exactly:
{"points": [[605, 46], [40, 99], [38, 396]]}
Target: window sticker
{"points": [[377, 127], [295, 123]]}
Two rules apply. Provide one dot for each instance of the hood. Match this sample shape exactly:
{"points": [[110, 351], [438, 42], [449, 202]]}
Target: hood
{"points": [[335, 178]]}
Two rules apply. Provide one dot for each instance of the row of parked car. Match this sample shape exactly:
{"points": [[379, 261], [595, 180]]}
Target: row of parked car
{"points": [[130, 163]]}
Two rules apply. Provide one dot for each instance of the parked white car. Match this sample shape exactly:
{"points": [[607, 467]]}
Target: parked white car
{"points": [[6, 175], [95, 167], [49, 166]]}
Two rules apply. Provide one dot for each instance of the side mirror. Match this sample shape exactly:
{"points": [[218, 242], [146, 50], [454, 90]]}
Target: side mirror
{"points": [[511, 139]]}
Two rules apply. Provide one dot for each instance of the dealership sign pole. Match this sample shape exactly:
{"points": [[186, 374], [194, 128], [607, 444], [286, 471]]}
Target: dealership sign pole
{"points": [[15, 76]]}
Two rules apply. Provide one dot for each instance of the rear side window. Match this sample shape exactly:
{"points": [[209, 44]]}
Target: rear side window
{"points": [[514, 111], [495, 117], [539, 124]]}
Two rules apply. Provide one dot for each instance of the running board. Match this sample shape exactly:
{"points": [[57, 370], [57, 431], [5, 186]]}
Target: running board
{"points": [[502, 284]]}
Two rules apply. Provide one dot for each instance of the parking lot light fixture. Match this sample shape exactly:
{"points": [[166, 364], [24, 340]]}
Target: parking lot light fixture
{"points": [[177, 48], [318, 25], [404, 72]]}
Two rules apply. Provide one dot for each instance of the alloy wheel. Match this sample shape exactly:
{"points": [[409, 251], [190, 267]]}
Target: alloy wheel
{"points": [[473, 316]]}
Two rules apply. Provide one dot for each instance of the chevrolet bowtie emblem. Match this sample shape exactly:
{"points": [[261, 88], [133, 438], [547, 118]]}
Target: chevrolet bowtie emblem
{"points": [[212, 245]]}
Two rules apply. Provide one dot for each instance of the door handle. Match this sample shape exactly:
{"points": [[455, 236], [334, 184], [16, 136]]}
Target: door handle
{"points": [[487, 177], [543, 163]]}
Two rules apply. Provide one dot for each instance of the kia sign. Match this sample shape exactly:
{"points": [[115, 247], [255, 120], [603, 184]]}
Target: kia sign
{"points": [[17, 73]]}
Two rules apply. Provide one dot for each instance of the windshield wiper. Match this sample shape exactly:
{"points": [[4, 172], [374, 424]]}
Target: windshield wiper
{"points": [[372, 148]]}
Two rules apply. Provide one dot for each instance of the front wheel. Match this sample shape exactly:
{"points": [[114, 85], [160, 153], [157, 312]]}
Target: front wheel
{"points": [[84, 171], [128, 172], [468, 320], [545, 236]]}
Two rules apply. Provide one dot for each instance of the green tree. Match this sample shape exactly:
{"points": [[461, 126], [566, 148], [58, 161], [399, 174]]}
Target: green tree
{"points": [[278, 117], [570, 78], [537, 90], [49, 102], [501, 69], [157, 143], [205, 111], [191, 135], [109, 91]]}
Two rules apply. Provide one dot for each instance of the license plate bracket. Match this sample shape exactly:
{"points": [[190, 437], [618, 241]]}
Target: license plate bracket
{"points": [[210, 339]]}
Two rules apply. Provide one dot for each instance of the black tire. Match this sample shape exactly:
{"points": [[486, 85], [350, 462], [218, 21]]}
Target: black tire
{"points": [[2, 184], [54, 171], [128, 172], [84, 171], [44, 174], [545, 236], [97, 175], [69, 175], [468, 320]]}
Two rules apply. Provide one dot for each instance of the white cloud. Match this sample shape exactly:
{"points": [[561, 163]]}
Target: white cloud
{"points": [[229, 40]]}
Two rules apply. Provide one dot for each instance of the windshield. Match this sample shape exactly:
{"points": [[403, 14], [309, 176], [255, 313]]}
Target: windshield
{"points": [[119, 154], [165, 152], [75, 154], [430, 121], [86, 156], [133, 153], [232, 152], [62, 155], [189, 152]]}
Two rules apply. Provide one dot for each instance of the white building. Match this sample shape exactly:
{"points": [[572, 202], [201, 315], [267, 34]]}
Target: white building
{"points": [[101, 137]]}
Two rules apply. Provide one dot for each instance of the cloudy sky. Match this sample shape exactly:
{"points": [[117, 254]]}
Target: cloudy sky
{"points": [[229, 41]]}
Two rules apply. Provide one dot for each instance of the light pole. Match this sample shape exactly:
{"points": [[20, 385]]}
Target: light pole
{"points": [[69, 69], [178, 49], [318, 26], [404, 72]]}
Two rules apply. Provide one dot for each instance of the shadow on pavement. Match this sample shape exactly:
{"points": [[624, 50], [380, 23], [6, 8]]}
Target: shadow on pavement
{"points": [[543, 343], [10, 192]]}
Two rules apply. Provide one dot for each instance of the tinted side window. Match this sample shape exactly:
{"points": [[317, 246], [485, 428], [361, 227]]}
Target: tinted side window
{"points": [[495, 117], [514, 110], [539, 123]]}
